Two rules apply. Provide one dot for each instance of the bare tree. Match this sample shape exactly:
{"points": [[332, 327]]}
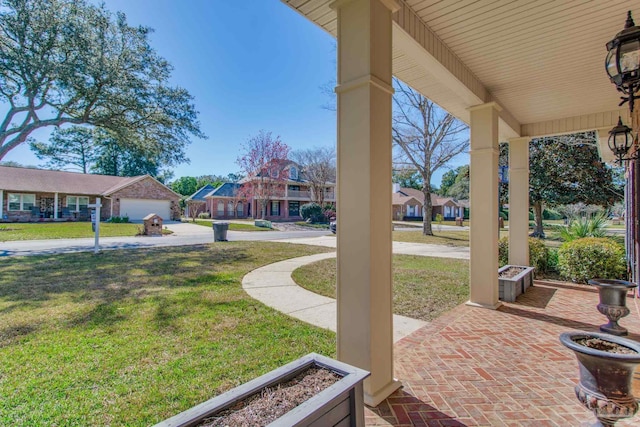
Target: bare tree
{"points": [[319, 168], [426, 138]]}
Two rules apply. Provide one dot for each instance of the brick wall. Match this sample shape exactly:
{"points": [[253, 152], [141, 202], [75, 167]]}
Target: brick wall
{"points": [[147, 188], [26, 216]]}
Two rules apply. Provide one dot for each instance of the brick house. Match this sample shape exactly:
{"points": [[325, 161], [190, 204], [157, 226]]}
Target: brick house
{"points": [[295, 190], [227, 202], [408, 205], [44, 195]]}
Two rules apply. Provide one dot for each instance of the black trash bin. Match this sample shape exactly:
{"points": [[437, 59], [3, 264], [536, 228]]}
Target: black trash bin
{"points": [[220, 231]]}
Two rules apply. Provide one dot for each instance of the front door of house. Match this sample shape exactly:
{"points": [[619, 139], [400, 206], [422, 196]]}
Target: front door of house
{"points": [[46, 206]]}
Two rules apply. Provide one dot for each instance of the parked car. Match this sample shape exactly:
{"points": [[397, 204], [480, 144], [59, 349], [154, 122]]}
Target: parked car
{"points": [[333, 226]]}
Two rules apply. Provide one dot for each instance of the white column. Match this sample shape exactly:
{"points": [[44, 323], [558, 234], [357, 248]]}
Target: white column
{"points": [[365, 326], [519, 201], [55, 206], [484, 206], [2, 204]]}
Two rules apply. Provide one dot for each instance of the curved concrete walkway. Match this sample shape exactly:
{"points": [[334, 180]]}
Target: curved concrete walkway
{"points": [[273, 286]]}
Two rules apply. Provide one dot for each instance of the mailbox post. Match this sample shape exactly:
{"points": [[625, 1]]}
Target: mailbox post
{"points": [[95, 223]]}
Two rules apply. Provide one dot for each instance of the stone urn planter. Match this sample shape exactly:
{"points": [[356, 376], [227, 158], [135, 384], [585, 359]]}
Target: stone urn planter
{"points": [[613, 302], [514, 280], [340, 404], [605, 385]]}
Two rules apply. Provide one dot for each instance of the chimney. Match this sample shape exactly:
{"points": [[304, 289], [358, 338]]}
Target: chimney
{"points": [[395, 188]]}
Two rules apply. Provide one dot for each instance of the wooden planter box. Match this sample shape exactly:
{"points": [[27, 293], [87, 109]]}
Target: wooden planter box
{"points": [[339, 405], [511, 287]]}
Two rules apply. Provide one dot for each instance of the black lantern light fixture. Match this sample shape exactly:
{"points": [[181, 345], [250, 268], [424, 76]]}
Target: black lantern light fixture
{"points": [[620, 141], [623, 61]]}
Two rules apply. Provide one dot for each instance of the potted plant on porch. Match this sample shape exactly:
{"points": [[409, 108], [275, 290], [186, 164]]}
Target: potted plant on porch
{"points": [[606, 365], [341, 403]]}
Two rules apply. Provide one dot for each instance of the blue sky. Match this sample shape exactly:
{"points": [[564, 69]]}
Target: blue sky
{"points": [[251, 65]]}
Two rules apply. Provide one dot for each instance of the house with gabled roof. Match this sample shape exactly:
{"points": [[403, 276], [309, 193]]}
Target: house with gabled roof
{"points": [[408, 205], [294, 190], [28, 194], [196, 203]]}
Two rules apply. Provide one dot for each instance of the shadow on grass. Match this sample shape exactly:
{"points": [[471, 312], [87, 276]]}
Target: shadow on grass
{"points": [[114, 275]]}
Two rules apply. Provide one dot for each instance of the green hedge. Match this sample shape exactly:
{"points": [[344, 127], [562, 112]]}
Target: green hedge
{"points": [[538, 254], [592, 257]]}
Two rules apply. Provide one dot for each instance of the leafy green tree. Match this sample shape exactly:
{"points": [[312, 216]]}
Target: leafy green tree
{"points": [[71, 148], [407, 178], [567, 169], [448, 179], [72, 62], [460, 188], [186, 185], [213, 180]]}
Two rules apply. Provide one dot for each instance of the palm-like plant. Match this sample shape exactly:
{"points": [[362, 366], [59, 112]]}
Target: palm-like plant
{"points": [[593, 226]]}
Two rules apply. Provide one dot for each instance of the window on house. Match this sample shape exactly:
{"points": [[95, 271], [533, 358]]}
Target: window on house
{"points": [[220, 208], [274, 173], [293, 173], [77, 203], [21, 202], [275, 208], [230, 208], [294, 208], [240, 209]]}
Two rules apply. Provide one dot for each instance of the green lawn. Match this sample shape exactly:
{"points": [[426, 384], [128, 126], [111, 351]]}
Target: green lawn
{"points": [[128, 338], [234, 226], [423, 287], [62, 230], [450, 238]]}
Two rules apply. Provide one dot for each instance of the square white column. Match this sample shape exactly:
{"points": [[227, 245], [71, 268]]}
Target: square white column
{"points": [[483, 189], [365, 329], [519, 201]]}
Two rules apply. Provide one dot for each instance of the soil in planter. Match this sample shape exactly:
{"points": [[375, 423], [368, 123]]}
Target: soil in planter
{"points": [[608, 346], [273, 402], [510, 272]]}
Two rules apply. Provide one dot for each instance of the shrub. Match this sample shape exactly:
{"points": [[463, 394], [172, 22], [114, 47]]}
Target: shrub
{"points": [[551, 214], [329, 214], [504, 215], [538, 254], [312, 212], [585, 227], [118, 219], [439, 218], [531, 216], [591, 257], [204, 215]]}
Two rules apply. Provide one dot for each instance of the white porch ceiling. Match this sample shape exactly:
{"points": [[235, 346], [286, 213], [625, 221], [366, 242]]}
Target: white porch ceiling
{"points": [[541, 60]]}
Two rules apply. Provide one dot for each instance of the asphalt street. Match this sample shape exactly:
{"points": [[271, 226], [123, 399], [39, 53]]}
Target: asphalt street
{"points": [[184, 234]]}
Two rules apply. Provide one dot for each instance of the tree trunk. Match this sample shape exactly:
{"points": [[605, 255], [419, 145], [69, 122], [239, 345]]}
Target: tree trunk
{"points": [[427, 211], [263, 209], [537, 211]]}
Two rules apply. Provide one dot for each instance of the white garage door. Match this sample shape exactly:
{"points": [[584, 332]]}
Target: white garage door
{"points": [[136, 209]]}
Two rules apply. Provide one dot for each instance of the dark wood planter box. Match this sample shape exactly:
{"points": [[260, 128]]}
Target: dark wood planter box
{"points": [[339, 405], [511, 287]]}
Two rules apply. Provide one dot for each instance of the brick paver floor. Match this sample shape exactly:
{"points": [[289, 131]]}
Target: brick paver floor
{"points": [[505, 367]]}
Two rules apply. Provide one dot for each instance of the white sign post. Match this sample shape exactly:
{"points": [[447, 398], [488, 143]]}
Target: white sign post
{"points": [[95, 220]]}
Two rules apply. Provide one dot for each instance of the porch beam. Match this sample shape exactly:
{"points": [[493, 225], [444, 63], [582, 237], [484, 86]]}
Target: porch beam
{"points": [[519, 201], [55, 206], [2, 204], [484, 206], [365, 329]]}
